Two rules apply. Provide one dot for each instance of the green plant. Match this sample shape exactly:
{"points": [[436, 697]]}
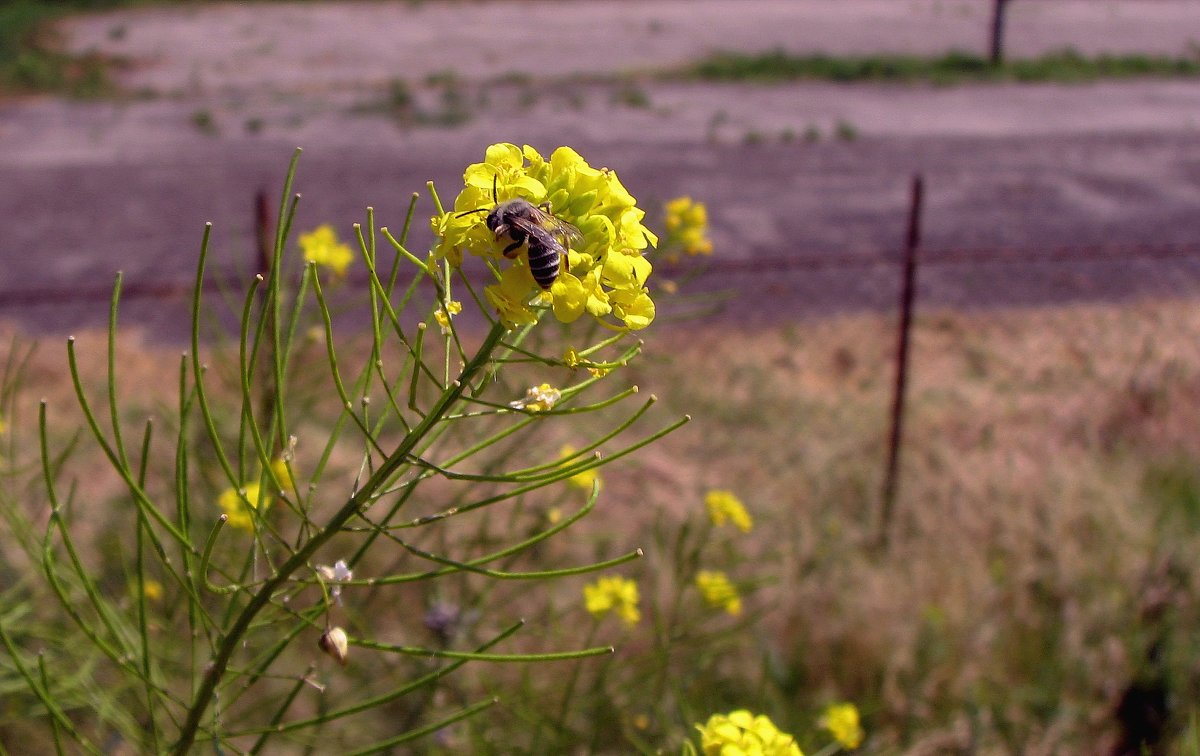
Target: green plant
{"points": [[205, 123], [384, 480], [845, 131], [631, 95], [31, 61]]}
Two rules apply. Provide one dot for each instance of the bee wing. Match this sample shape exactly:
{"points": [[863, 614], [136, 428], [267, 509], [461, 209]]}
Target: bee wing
{"points": [[566, 232], [527, 225]]}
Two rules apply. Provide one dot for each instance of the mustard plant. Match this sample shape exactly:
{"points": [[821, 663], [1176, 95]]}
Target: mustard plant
{"points": [[328, 525]]}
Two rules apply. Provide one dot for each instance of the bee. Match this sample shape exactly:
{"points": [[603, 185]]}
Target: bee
{"points": [[545, 237]]}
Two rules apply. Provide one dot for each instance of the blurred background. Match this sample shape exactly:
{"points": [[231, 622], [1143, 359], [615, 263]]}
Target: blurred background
{"points": [[1004, 192]]}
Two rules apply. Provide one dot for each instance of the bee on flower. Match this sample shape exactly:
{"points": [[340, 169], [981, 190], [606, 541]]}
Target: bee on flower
{"points": [[601, 265]]}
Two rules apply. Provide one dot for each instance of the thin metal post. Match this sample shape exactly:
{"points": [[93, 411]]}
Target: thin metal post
{"points": [[907, 296], [997, 48]]}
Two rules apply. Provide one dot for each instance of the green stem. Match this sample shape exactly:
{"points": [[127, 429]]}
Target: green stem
{"points": [[560, 722], [233, 637]]}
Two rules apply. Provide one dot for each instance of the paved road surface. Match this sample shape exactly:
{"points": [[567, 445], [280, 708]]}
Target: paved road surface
{"points": [[87, 188]]}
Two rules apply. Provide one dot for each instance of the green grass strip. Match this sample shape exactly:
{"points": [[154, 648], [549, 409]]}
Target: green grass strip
{"points": [[955, 67]]}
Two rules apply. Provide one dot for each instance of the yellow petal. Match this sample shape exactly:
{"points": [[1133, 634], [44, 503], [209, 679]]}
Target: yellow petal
{"points": [[570, 297], [504, 155]]}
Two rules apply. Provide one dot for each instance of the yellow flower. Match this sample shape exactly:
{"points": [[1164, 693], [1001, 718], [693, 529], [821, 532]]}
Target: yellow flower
{"points": [[321, 246], [687, 228], [585, 479], [443, 315], [741, 733], [152, 590], [613, 594], [717, 591], [724, 506], [538, 399], [231, 500], [608, 260], [280, 469], [841, 720], [511, 296], [572, 360]]}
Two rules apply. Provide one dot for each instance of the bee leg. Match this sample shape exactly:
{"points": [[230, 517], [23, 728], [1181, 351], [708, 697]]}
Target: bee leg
{"points": [[512, 250]]}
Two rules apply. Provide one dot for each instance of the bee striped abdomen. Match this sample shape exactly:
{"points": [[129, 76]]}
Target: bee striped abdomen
{"points": [[544, 262]]}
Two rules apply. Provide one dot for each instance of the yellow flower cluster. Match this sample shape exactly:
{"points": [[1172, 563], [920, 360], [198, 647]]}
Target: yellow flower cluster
{"points": [[841, 720], [606, 272], [572, 360], [236, 509], [321, 246], [717, 591], [724, 506], [233, 502], [687, 228], [613, 594], [443, 315], [741, 733]]}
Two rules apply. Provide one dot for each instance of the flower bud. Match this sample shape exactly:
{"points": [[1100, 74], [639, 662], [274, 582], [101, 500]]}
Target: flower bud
{"points": [[335, 644]]}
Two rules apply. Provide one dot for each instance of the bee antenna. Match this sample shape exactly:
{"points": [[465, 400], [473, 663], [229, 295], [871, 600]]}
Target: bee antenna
{"points": [[495, 199]]}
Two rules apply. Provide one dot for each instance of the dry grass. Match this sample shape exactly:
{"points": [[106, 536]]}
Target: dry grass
{"points": [[1031, 524], [1045, 530]]}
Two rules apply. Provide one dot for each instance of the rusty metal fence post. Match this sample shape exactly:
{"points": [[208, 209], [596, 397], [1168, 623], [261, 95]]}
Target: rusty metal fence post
{"points": [[996, 51], [907, 295]]}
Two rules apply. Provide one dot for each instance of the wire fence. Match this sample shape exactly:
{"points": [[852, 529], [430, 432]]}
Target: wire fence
{"points": [[805, 261], [759, 286]]}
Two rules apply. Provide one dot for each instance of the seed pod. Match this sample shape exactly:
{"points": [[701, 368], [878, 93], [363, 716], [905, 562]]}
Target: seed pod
{"points": [[335, 643]]}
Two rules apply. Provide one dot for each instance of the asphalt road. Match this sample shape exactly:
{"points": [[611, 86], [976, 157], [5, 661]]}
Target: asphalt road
{"points": [[220, 96]]}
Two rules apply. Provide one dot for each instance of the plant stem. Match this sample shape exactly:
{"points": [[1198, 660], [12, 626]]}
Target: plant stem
{"points": [[216, 669]]}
